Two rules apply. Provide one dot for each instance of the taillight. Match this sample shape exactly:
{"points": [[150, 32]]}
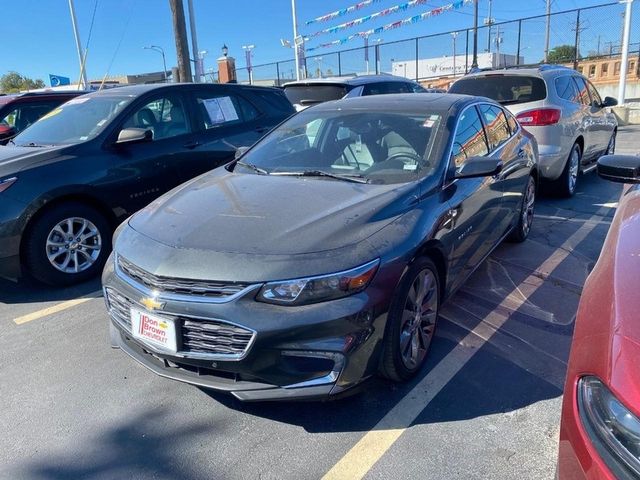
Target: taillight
{"points": [[540, 117]]}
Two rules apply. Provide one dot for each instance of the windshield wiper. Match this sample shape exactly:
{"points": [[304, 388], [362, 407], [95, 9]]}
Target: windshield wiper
{"points": [[320, 173], [253, 167], [32, 144]]}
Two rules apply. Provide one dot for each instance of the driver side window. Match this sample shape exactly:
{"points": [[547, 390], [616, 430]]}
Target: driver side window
{"points": [[470, 139], [165, 117]]}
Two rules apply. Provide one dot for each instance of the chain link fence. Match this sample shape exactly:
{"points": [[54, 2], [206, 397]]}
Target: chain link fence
{"points": [[574, 36]]}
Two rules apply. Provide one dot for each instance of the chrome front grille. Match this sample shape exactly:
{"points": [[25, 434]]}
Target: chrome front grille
{"points": [[214, 337], [180, 286], [197, 338]]}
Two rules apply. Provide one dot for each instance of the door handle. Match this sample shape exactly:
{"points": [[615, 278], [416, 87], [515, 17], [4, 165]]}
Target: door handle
{"points": [[522, 153], [192, 144]]}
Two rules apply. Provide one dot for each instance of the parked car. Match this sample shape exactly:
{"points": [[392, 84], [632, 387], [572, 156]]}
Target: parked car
{"points": [[88, 164], [561, 108], [312, 91], [19, 111], [600, 427], [316, 261]]}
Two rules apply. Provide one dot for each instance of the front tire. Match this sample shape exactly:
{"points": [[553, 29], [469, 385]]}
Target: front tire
{"points": [[69, 243], [525, 216], [411, 321]]}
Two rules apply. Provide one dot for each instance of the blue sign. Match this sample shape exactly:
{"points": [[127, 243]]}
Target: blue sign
{"points": [[57, 80]]}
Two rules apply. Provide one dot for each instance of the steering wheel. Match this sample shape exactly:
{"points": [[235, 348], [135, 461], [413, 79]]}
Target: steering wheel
{"points": [[412, 156]]}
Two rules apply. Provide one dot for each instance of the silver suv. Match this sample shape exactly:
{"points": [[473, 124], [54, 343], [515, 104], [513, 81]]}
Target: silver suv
{"points": [[561, 108]]}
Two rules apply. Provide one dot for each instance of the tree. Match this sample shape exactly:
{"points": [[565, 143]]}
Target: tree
{"points": [[13, 82], [562, 54]]}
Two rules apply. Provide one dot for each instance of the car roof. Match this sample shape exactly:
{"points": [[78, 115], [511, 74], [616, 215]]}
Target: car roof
{"points": [[12, 97], [403, 102], [354, 80], [526, 70], [137, 90]]}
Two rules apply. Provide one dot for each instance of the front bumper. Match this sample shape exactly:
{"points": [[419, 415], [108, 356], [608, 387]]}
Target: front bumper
{"points": [[12, 214], [308, 352]]}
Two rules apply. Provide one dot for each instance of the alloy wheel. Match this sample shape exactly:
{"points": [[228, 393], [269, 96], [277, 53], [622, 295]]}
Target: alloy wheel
{"points": [[528, 207], [73, 245], [574, 167], [418, 319]]}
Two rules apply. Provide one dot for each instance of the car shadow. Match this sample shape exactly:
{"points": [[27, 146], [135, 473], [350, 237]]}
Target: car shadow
{"points": [[140, 447], [28, 290]]}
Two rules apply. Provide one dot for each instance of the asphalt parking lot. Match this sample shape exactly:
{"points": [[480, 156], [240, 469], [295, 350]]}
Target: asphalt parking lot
{"points": [[487, 404]]}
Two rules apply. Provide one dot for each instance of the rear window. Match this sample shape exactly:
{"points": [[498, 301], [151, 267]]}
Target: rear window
{"points": [[505, 89], [275, 100], [311, 94]]}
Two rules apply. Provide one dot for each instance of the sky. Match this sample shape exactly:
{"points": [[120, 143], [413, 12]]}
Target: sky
{"points": [[38, 37]]}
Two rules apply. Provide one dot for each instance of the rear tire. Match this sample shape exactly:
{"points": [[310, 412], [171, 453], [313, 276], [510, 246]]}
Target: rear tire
{"points": [[525, 216], [567, 183], [69, 243], [411, 322]]}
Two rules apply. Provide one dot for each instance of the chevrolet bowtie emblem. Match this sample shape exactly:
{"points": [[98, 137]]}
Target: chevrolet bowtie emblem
{"points": [[152, 304]]}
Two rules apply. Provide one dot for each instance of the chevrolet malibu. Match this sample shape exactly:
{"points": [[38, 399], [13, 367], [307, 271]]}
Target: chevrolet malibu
{"points": [[320, 257], [600, 428]]}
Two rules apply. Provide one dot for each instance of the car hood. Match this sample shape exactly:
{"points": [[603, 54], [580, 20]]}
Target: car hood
{"points": [[15, 159], [270, 215]]}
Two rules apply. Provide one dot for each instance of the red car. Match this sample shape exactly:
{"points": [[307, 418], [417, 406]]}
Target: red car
{"points": [[600, 427], [20, 110]]}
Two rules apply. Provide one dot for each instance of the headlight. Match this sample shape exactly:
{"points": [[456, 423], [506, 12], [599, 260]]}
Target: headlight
{"points": [[615, 431], [303, 291], [4, 184]]}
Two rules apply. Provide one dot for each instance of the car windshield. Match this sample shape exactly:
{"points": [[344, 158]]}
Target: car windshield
{"points": [[505, 89], [78, 120], [312, 94], [368, 146]]}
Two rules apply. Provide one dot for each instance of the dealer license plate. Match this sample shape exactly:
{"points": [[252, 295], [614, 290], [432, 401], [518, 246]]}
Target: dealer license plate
{"points": [[153, 329]]}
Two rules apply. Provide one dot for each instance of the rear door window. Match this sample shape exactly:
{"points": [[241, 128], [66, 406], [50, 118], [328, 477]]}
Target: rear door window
{"points": [[505, 89], [470, 140], [217, 109], [496, 125], [583, 91], [566, 88]]}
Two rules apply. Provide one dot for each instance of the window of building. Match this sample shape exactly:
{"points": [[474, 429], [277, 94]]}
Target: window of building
{"points": [[581, 69], [616, 68], [632, 67], [592, 71], [604, 70]]}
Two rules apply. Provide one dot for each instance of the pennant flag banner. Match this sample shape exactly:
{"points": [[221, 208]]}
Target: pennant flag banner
{"points": [[340, 13], [373, 16], [400, 23]]}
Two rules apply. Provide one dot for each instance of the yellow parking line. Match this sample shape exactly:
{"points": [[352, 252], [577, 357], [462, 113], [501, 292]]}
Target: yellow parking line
{"points": [[54, 309], [357, 462]]}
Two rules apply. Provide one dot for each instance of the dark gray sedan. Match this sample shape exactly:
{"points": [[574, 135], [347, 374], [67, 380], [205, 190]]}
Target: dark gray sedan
{"points": [[320, 257]]}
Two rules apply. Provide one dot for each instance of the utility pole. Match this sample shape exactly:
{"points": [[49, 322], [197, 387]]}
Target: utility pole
{"points": [[474, 63], [296, 41], [182, 46], [547, 32], [81, 57], [624, 61], [247, 55], [454, 36], [498, 41], [197, 64], [579, 28], [366, 52], [489, 21]]}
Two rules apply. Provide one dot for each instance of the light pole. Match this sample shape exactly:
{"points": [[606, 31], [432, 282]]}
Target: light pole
{"points": [[247, 53], [454, 36], [164, 63], [624, 61], [200, 63], [81, 56], [297, 40], [319, 60]]}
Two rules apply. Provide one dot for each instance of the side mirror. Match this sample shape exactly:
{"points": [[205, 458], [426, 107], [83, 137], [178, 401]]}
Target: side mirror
{"points": [[6, 131], [609, 102], [479, 167], [620, 168], [240, 151], [134, 135]]}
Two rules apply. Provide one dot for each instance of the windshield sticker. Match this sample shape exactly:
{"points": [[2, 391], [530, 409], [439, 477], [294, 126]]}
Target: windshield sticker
{"points": [[77, 100], [220, 110], [410, 167], [428, 123]]}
